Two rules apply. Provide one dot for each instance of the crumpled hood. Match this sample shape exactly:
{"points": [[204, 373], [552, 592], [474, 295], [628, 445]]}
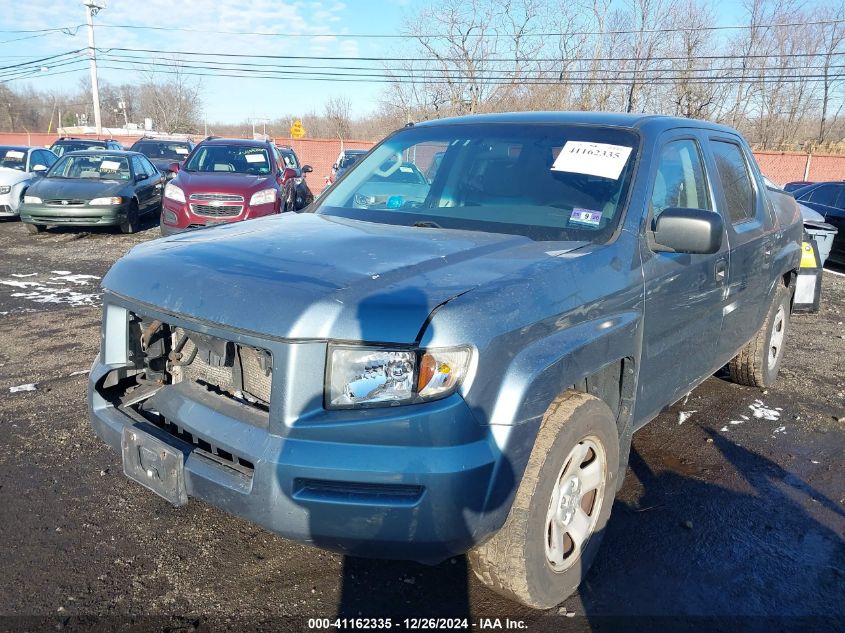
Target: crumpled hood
{"points": [[306, 276], [75, 188]]}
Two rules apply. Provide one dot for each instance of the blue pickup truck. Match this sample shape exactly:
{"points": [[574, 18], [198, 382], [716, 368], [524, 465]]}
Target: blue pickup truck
{"points": [[459, 366]]}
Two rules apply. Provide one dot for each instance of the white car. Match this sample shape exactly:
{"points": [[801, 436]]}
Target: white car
{"points": [[19, 166]]}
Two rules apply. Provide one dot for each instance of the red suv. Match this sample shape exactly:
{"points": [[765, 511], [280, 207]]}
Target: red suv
{"points": [[223, 180]]}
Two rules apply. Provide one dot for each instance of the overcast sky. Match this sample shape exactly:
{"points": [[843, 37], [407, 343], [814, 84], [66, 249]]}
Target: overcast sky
{"points": [[230, 99]]}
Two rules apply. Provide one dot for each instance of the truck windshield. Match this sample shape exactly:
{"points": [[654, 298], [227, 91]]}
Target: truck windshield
{"points": [[547, 182]]}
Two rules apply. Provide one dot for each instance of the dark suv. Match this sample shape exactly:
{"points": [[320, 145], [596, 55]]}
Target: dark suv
{"points": [[163, 152], [298, 194], [223, 180], [74, 144]]}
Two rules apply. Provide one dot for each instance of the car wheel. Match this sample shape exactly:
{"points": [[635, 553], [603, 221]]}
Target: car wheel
{"points": [[35, 228], [758, 363], [561, 507], [130, 224]]}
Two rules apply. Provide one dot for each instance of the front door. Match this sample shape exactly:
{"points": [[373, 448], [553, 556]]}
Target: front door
{"points": [[684, 293]]}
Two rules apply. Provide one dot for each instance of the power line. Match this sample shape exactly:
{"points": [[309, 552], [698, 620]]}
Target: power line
{"points": [[43, 59], [480, 35]]}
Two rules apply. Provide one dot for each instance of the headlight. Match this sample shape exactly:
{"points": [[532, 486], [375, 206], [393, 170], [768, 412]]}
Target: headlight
{"points": [[172, 192], [105, 201], [371, 377], [5, 189], [264, 196], [31, 200]]}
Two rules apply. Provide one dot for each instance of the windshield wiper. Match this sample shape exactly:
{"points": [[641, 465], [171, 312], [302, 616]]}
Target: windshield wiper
{"points": [[427, 224]]}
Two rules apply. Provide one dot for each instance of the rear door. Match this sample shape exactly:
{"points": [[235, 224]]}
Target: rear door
{"points": [[753, 240], [683, 292]]}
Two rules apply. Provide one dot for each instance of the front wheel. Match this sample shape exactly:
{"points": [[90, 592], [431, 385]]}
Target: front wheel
{"points": [[758, 363], [130, 224], [561, 508]]}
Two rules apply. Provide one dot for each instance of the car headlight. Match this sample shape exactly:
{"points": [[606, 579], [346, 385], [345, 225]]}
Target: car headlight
{"points": [[172, 192], [5, 189], [372, 377], [105, 201], [264, 196], [31, 200]]}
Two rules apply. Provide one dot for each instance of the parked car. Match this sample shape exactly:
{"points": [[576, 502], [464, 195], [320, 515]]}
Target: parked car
{"points": [[74, 144], [797, 184], [417, 379], [164, 152], [20, 165], [297, 193], [94, 188], [345, 160], [223, 180], [828, 199]]}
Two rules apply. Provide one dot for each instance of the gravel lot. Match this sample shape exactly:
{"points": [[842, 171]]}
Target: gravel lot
{"points": [[722, 520]]}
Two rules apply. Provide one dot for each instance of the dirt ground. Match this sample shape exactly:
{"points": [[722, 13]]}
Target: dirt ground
{"points": [[731, 514]]}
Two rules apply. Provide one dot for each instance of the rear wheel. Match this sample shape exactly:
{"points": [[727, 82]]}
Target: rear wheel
{"points": [[558, 516], [758, 363], [35, 228], [130, 224]]}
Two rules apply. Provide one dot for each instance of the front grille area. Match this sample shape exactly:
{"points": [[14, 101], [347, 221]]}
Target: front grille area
{"points": [[207, 448], [215, 211], [65, 203], [222, 197]]}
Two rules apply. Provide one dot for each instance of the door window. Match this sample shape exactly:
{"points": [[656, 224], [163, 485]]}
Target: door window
{"points": [[735, 179], [680, 181], [826, 194]]}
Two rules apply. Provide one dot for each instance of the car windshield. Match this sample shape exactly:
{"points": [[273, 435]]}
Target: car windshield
{"points": [[163, 150], [13, 158], [546, 182], [91, 166], [239, 159], [65, 147], [290, 160], [348, 160]]}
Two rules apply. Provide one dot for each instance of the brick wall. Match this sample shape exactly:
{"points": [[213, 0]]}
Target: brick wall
{"points": [[780, 167]]}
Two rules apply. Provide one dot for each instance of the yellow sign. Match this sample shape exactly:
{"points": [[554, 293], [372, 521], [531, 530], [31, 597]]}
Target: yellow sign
{"points": [[808, 256], [296, 130]]}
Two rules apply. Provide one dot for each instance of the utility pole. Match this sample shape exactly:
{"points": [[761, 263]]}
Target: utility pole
{"points": [[92, 7]]}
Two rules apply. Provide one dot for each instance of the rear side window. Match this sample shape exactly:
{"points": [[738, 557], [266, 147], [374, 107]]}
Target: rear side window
{"points": [[736, 181], [680, 181], [826, 194]]}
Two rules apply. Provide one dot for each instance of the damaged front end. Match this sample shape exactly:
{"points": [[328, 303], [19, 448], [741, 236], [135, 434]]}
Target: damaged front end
{"points": [[167, 365]]}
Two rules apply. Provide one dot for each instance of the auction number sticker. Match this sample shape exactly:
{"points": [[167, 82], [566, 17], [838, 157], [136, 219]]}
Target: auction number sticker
{"points": [[592, 159], [110, 165], [585, 216], [14, 154], [255, 158]]}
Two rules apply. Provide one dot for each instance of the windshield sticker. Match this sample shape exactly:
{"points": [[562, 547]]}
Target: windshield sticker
{"points": [[255, 158], [585, 216], [406, 170], [14, 154], [593, 159], [182, 150], [110, 165]]}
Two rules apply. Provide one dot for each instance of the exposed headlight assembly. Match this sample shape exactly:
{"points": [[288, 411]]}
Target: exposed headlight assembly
{"points": [[373, 376], [5, 189], [265, 196], [172, 192]]}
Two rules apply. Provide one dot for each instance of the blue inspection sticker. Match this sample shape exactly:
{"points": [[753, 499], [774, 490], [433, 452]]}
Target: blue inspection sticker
{"points": [[395, 202], [585, 216]]}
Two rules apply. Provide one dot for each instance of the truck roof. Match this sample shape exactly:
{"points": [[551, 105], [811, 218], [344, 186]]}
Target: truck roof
{"points": [[654, 122]]}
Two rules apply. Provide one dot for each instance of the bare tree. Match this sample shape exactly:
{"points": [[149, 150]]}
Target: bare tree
{"points": [[173, 102], [832, 37], [337, 113]]}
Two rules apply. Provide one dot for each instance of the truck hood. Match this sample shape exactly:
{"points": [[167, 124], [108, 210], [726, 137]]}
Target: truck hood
{"points": [[75, 188], [306, 276]]}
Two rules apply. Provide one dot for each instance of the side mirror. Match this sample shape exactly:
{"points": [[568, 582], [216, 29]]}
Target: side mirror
{"points": [[140, 177], [695, 231], [174, 167], [307, 169], [288, 173], [39, 168]]}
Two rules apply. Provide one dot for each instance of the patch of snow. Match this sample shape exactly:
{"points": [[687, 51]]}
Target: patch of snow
{"points": [[683, 416], [79, 373], [761, 411], [19, 284], [22, 275], [723, 429], [60, 272], [76, 279], [27, 387]]}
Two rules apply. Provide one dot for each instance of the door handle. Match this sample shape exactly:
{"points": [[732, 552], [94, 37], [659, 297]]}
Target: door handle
{"points": [[721, 270]]}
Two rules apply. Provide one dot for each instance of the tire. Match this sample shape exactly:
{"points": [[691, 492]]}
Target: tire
{"points": [[518, 562], [757, 364], [131, 223], [35, 228]]}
